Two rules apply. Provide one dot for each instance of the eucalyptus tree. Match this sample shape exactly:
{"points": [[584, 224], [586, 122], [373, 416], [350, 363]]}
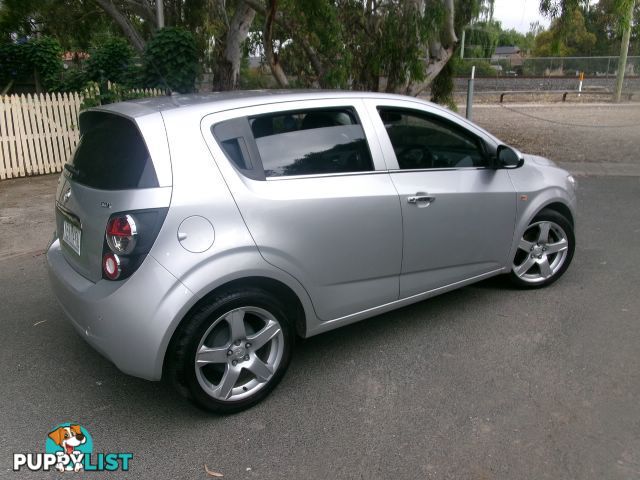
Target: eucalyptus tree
{"points": [[353, 43], [623, 10]]}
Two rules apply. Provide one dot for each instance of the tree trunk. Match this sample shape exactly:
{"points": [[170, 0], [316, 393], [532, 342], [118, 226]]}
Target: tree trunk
{"points": [[267, 42], [228, 66], [124, 23], [434, 65], [624, 50], [298, 36]]}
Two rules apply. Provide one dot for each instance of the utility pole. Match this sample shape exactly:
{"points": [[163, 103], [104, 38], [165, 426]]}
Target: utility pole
{"points": [[624, 50], [160, 13], [464, 32]]}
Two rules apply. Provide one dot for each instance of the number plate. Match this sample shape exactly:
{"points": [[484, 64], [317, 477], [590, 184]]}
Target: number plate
{"points": [[72, 236]]}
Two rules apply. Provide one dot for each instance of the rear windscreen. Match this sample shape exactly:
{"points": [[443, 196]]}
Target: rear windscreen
{"points": [[111, 154]]}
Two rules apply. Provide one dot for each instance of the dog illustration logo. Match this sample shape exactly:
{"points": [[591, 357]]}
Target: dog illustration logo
{"points": [[70, 442], [69, 448]]}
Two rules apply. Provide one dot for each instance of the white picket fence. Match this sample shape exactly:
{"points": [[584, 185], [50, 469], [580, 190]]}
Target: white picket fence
{"points": [[38, 133]]}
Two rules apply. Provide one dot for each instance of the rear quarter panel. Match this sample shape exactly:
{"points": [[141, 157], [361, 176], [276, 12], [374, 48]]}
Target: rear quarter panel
{"points": [[199, 189]]}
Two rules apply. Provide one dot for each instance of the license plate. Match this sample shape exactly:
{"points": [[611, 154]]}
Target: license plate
{"points": [[71, 235]]}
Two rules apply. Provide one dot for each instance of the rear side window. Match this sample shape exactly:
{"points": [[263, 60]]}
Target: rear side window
{"points": [[311, 142], [112, 154]]}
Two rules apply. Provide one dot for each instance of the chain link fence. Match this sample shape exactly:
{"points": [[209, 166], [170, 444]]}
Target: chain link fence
{"points": [[516, 66]]}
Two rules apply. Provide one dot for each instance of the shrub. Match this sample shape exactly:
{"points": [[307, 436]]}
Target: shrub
{"points": [[110, 61], [44, 56], [74, 79], [462, 68], [171, 59], [13, 65], [442, 87]]}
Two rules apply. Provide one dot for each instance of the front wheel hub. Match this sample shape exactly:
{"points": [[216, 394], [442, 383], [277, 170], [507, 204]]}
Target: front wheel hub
{"points": [[542, 251]]}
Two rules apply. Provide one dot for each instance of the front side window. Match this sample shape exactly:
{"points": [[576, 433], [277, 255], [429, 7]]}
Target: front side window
{"points": [[311, 142], [423, 141]]}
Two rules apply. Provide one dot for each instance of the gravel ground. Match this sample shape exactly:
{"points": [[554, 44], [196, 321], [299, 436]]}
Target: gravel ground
{"points": [[576, 136]]}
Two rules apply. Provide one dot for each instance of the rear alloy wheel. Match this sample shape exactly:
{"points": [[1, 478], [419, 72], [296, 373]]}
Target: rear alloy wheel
{"points": [[544, 251], [234, 351]]}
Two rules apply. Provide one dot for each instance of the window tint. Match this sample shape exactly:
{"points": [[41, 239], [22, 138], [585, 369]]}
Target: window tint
{"points": [[234, 136], [311, 142], [424, 141], [236, 151], [111, 154]]}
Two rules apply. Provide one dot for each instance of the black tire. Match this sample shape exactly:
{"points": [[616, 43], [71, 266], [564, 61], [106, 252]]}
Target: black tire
{"points": [[180, 368], [547, 215]]}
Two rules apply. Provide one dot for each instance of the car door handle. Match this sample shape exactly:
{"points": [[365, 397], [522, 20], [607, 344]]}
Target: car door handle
{"points": [[414, 199]]}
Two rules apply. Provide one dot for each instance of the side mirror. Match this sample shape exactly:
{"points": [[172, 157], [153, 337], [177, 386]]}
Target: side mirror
{"points": [[508, 157]]}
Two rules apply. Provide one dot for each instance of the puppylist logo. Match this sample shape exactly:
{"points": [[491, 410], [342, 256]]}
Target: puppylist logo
{"points": [[69, 448]]}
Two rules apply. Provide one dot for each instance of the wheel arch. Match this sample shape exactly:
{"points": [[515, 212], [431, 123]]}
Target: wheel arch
{"points": [[559, 207], [292, 303], [551, 199]]}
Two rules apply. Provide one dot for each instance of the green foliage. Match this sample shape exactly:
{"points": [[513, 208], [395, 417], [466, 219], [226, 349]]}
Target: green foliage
{"points": [[41, 57], [482, 39], [44, 54], [13, 65], [462, 68], [96, 95], [171, 60], [511, 37], [110, 61], [252, 78], [74, 79], [566, 37], [74, 23], [358, 43], [604, 21], [442, 87]]}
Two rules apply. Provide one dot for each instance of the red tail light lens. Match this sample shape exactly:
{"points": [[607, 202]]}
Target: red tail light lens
{"points": [[111, 266], [128, 239], [122, 234]]}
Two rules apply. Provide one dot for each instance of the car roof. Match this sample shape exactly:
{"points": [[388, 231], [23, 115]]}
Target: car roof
{"points": [[218, 101]]}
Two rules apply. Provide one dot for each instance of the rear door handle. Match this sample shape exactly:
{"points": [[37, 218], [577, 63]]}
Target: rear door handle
{"points": [[415, 199]]}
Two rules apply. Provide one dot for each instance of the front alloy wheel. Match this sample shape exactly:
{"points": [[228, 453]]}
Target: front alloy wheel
{"points": [[544, 251]]}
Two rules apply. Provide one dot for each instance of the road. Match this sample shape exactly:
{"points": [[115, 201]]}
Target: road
{"points": [[486, 382]]}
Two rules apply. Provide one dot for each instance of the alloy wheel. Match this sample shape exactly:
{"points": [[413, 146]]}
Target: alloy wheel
{"points": [[239, 353], [542, 251]]}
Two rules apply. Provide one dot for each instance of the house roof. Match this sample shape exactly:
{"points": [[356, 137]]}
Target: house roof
{"points": [[507, 50]]}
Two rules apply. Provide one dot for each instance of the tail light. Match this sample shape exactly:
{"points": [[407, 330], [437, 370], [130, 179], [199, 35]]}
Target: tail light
{"points": [[129, 237], [122, 234], [111, 266]]}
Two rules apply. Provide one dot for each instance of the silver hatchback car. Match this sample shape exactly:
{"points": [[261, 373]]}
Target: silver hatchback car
{"points": [[198, 236]]}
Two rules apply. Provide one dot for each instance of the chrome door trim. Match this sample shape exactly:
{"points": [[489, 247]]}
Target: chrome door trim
{"points": [[324, 175]]}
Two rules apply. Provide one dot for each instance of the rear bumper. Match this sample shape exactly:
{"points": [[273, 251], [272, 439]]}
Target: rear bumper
{"points": [[131, 325]]}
